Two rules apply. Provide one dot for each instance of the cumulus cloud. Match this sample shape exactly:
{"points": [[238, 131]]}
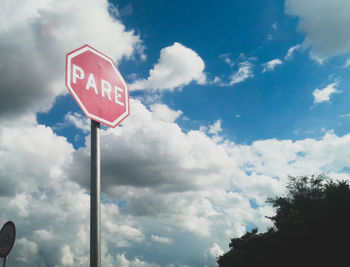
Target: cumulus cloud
{"points": [[32, 67], [326, 25], [275, 158], [35, 188], [215, 128], [122, 261], [227, 59], [271, 65], [324, 94], [78, 120], [291, 51], [164, 113], [39, 193], [154, 175], [163, 138], [28, 249], [245, 71], [345, 115], [347, 63], [168, 180], [67, 258], [213, 253], [43, 235], [171, 171], [177, 66], [16, 160], [163, 240], [269, 37]]}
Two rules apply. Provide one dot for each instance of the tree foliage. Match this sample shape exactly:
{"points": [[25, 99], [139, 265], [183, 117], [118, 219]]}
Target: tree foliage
{"points": [[311, 228]]}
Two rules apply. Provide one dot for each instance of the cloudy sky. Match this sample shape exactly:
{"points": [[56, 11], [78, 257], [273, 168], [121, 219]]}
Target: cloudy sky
{"points": [[227, 99]]}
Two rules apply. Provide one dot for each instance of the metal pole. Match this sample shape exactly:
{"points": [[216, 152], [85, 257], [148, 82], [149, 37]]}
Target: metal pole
{"points": [[95, 205], [5, 261]]}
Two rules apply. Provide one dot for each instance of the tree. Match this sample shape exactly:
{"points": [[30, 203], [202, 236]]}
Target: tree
{"points": [[311, 228]]}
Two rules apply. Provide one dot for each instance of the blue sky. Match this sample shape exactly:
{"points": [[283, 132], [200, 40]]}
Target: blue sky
{"points": [[273, 104], [227, 99]]}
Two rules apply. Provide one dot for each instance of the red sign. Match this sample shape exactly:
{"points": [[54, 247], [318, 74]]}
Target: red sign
{"points": [[97, 86]]}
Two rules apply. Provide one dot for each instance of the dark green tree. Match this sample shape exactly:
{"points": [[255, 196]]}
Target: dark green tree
{"points": [[311, 228]]}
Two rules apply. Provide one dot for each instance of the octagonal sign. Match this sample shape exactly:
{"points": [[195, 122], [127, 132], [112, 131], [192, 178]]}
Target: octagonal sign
{"points": [[97, 86]]}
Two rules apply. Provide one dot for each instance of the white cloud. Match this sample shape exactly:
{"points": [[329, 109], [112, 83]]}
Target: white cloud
{"points": [[177, 66], [124, 235], [173, 183], [271, 65], [67, 256], [218, 81], [165, 137], [244, 72], [326, 25], [27, 250], [18, 146], [269, 37], [164, 174], [291, 51], [324, 94], [257, 171], [163, 112], [78, 120], [347, 63], [227, 59], [214, 252], [35, 189], [215, 128], [43, 235], [32, 66], [122, 261], [275, 158], [160, 239], [20, 204]]}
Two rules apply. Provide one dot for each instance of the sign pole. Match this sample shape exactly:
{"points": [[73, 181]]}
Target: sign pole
{"points": [[102, 94], [95, 205], [5, 261]]}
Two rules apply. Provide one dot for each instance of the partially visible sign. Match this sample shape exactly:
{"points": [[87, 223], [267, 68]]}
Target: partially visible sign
{"points": [[7, 238], [97, 86]]}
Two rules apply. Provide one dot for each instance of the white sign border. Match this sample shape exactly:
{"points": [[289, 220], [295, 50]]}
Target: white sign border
{"points": [[79, 51]]}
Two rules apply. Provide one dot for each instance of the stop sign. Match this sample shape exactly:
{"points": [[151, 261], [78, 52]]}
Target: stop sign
{"points": [[97, 86]]}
